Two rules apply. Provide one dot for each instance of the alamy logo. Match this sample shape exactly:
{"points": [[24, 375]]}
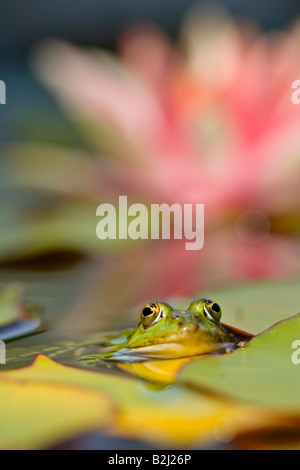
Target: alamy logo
{"points": [[2, 352], [296, 354], [135, 222], [296, 93], [2, 92]]}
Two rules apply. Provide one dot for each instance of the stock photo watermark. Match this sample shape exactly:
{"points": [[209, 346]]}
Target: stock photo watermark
{"points": [[296, 354], [2, 92], [296, 93], [2, 352], [136, 222]]}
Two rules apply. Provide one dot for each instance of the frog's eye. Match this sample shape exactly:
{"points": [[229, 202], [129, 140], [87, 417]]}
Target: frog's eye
{"points": [[150, 314], [208, 308], [213, 311]]}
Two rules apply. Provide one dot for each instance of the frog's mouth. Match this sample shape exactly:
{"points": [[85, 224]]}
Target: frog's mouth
{"points": [[198, 344], [192, 339], [170, 350]]}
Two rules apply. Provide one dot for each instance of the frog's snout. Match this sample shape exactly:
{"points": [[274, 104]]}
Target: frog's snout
{"points": [[190, 327], [188, 324]]}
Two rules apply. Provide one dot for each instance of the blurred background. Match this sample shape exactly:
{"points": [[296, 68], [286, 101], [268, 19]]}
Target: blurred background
{"points": [[174, 101], [95, 22]]}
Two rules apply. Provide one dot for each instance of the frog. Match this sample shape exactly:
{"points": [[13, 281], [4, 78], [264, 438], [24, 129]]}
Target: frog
{"points": [[163, 340], [165, 333]]}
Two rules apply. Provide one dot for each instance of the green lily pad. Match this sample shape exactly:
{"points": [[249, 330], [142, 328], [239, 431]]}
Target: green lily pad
{"points": [[11, 308], [254, 306], [16, 318], [262, 373]]}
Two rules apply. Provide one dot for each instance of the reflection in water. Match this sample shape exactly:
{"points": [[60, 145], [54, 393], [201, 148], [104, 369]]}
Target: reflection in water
{"points": [[92, 296]]}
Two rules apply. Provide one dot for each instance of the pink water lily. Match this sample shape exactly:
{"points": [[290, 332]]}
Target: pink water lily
{"points": [[211, 123], [208, 121]]}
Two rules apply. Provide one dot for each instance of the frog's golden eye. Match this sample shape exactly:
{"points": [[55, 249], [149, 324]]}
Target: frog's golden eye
{"points": [[150, 314], [208, 308], [213, 311]]}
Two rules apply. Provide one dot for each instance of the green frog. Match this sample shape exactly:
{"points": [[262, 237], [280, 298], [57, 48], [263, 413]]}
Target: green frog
{"points": [[165, 333], [162, 341]]}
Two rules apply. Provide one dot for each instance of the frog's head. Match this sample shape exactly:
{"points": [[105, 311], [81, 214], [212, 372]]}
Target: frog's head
{"points": [[165, 332]]}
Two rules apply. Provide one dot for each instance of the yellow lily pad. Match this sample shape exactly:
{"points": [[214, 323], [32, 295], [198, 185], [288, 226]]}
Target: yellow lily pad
{"points": [[36, 414], [52, 402]]}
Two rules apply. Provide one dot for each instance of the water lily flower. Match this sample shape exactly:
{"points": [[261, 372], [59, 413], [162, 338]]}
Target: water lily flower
{"points": [[210, 121]]}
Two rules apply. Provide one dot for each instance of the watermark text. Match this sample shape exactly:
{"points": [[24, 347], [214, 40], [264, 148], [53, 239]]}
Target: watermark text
{"points": [[296, 93], [2, 352], [296, 354], [2, 92], [136, 221]]}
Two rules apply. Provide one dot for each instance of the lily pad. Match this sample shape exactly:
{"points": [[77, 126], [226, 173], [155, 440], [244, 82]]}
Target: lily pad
{"points": [[16, 318], [47, 402], [255, 306], [11, 308], [37, 414], [262, 373]]}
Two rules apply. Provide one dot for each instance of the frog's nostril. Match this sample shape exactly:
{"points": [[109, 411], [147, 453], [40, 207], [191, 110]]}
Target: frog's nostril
{"points": [[190, 327]]}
